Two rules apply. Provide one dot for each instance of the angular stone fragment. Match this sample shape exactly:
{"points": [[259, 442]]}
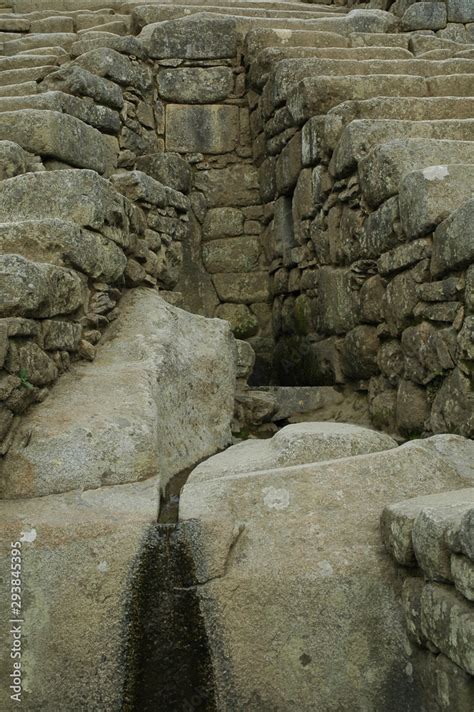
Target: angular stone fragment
{"points": [[100, 117], [223, 222], [453, 406], [64, 244], [243, 288], [453, 242], [59, 136], [195, 85], [107, 63], [73, 79], [242, 322], [404, 256], [429, 536], [14, 160], [411, 601], [238, 254], [37, 290], [211, 128], [428, 352], [412, 408], [236, 185], [381, 171], [424, 16], [462, 571], [428, 196], [167, 168], [79, 196], [337, 305], [359, 354], [447, 621], [460, 11], [155, 356], [200, 36], [399, 519]]}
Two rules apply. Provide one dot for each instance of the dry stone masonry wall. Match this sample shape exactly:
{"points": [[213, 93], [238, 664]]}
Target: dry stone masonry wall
{"points": [[304, 172]]}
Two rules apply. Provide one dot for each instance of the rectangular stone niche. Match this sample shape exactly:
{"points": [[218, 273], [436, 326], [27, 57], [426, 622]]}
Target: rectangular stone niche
{"points": [[210, 128]]}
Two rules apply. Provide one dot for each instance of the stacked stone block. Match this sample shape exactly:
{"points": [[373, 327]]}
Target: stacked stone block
{"points": [[433, 537], [366, 174]]}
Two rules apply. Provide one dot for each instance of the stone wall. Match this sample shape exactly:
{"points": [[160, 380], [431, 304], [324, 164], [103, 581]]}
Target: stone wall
{"points": [[432, 536], [367, 209], [201, 86], [90, 206]]}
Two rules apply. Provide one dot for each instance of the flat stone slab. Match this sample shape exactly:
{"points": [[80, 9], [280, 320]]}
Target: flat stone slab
{"points": [[158, 398]]}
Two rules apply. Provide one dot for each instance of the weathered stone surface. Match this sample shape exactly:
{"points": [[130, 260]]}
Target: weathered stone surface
{"points": [[462, 571], [460, 11], [64, 244], [427, 197], [38, 290], [76, 80], [381, 231], [246, 287], [447, 621], [337, 306], [429, 536], [84, 438], [297, 444], [38, 40], [453, 406], [126, 45], [411, 601], [236, 185], [359, 352], [428, 352], [109, 64], [239, 254], [79, 196], [55, 135], [195, 85], [453, 243], [222, 222], [100, 117], [14, 160], [445, 686], [412, 408], [398, 521], [82, 552], [200, 36], [242, 322], [424, 16], [381, 171], [331, 574], [211, 128], [167, 168]]}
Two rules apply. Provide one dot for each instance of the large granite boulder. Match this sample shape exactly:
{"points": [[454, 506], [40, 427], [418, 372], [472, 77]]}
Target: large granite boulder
{"points": [[158, 398], [300, 599]]}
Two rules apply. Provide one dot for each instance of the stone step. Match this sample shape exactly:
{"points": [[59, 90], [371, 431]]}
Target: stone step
{"points": [[352, 22], [380, 173], [362, 135], [63, 39], [64, 244], [258, 4], [409, 108], [115, 28], [100, 117], [19, 76], [318, 95], [26, 6], [14, 24], [124, 45], [161, 13], [27, 60], [267, 58], [259, 39], [51, 134], [289, 72], [379, 39], [19, 89], [424, 43]]}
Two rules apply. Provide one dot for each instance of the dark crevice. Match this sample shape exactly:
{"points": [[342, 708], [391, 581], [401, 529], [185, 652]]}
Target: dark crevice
{"points": [[168, 661]]}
